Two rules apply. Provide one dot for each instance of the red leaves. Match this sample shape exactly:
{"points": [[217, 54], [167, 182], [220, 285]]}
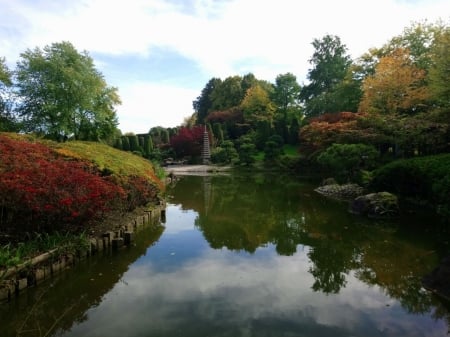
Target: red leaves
{"points": [[40, 188], [233, 115], [331, 128], [188, 141]]}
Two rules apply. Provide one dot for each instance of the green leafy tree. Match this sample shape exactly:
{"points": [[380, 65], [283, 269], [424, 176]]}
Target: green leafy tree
{"points": [[148, 145], [247, 150], [7, 122], [118, 143], [330, 66], [257, 105], [286, 97], [218, 133], [439, 74], [125, 143], [227, 94], [273, 148], [418, 38], [63, 95], [203, 104], [346, 160], [133, 141], [225, 154], [346, 95], [249, 80]]}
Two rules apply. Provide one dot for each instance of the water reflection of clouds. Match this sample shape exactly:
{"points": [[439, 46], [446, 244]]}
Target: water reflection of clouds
{"points": [[239, 297], [179, 220]]}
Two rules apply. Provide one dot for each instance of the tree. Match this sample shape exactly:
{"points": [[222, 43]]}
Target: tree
{"points": [[148, 145], [134, 142], [346, 95], [202, 105], [346, 160], [248, 81], [246, 152], [7, 122], [286, 97], [63, 95], [418, 39], [330, 65], [439, 73], [257, 105], [218, 133], [225, 154], [395, 87], [273, 148], [188, 141], [125, 143], [227, 94]]}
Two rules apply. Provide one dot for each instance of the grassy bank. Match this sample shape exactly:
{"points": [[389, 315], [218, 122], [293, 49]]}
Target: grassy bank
{"points": [[48, 187]]}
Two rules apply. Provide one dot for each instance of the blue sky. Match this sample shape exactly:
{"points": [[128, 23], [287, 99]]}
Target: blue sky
{"points": [[161, 53]]}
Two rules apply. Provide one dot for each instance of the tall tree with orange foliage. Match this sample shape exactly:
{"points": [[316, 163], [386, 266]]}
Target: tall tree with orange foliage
{"points": [[397, 86]]}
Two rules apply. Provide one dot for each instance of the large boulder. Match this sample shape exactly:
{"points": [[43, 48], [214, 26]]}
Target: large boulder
{"points": [[376, 205], [438, 281], [341, 192]]}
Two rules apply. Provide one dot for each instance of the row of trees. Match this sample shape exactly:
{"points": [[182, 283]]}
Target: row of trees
{"points": [[395, 97], [57, 92]]}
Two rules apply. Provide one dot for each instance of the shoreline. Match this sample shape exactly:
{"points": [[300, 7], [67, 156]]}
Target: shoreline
{"points": [[195, 169]]}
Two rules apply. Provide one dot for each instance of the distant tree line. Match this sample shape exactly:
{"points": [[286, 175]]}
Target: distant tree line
{"points": [[394, 98]]}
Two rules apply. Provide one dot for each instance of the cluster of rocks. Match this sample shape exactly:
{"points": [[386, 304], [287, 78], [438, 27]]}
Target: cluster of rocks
{"points": [[375, 205], [342, 192]]}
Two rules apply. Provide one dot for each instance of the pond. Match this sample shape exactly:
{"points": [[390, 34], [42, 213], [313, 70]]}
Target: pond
{"points": [[248, 255]]}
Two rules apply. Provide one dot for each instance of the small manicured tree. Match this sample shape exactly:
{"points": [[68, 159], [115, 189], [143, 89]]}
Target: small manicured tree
{"points": [[165, 138], [125, 143], [148, 145], [225, 154], [273, 148], [118, 143], [246, 153], [134, 143], [346, 160]]}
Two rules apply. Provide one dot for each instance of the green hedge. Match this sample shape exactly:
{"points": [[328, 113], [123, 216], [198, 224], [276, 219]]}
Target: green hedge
{"points": [[424, 178]]}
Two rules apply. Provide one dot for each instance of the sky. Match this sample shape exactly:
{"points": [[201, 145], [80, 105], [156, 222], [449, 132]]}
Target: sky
{"points": [[161, 53]]}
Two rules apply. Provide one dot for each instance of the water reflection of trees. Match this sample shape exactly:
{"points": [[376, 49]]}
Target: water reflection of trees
{"points": [[246, 212], [85, 286]]}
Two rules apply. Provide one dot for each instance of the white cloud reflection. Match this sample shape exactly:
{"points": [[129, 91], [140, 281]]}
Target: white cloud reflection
{"points": [[221, 294]]}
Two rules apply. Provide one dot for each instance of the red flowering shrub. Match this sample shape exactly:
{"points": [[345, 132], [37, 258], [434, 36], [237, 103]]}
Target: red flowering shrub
{"points": [[139, 191], [188, 141], [39, 189]]}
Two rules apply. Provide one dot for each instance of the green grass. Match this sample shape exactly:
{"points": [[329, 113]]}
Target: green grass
{"points": [[11, 256], [106, 157], [259, 157], [291, 151]]}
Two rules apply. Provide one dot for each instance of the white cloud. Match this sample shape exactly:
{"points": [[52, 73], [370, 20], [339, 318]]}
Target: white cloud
{"points": [[146, 105], [243, 292]]}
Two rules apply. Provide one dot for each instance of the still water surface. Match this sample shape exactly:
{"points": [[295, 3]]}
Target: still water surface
{"points": [[247, 255]]}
